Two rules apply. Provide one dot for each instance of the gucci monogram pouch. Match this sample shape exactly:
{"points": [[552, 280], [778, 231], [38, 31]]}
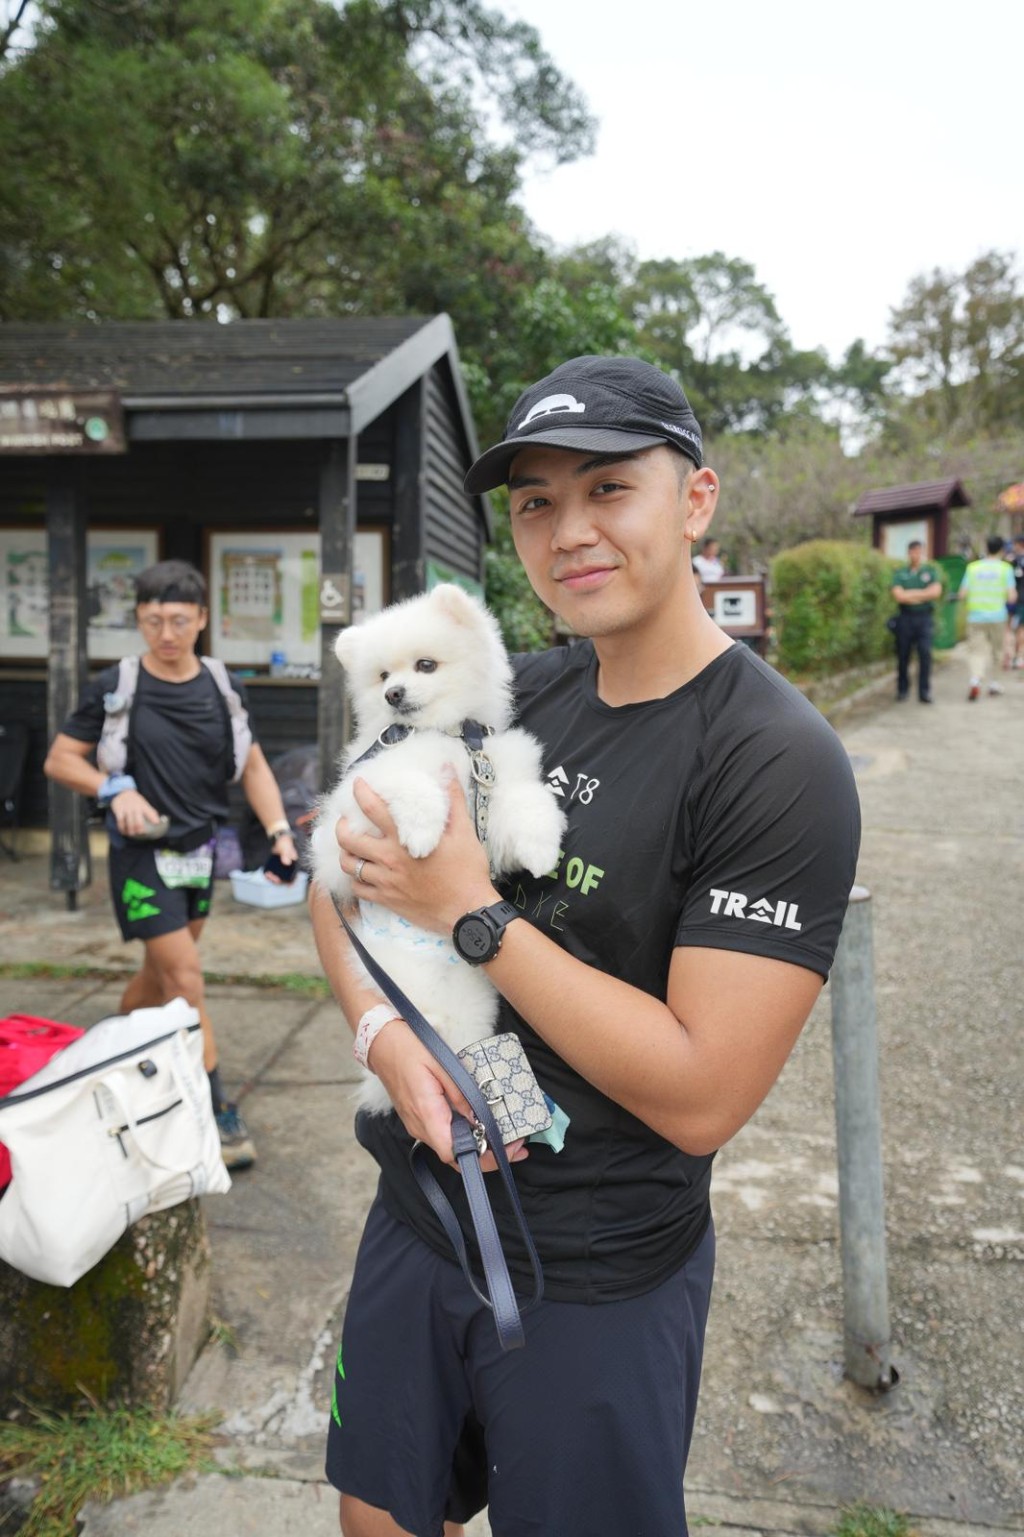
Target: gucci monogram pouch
{"points": [[499, 1066]]}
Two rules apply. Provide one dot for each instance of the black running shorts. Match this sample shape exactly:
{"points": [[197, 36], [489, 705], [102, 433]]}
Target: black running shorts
{"points": [[145, 903], [584, 1432]]}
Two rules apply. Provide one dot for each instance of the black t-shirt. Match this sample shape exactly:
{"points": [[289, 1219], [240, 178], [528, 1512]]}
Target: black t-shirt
{"points": [[725, 816], [180, 750]]}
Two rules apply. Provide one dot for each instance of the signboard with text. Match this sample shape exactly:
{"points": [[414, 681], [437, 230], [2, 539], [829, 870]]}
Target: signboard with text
{"points": [[736, 603], [61, 422]]}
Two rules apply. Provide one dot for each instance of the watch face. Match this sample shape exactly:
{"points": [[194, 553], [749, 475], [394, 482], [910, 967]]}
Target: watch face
{"points": [[475, 938]]}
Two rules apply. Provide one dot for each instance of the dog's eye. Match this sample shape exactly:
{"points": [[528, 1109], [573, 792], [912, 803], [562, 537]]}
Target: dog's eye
{"points": [[426, 664], [383, 677]]}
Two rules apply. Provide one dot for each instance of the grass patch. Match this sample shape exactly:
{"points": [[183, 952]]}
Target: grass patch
{"points": [[288, 982], [99, 1454], [871, 1521], [19, 970]]}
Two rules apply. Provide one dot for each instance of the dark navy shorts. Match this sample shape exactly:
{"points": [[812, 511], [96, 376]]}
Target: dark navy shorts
{"points": [[584, 1432], [145, 904]]}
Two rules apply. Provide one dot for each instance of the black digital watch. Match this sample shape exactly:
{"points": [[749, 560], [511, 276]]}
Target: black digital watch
{"points": [[477, 935]]}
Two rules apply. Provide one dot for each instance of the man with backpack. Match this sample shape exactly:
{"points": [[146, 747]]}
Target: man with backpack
{"points": [[170, 731]]}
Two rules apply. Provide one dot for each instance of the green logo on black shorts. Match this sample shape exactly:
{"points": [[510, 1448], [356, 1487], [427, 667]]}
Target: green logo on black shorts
{"points": [[136, 901], [335, 1411], [202, 907]]}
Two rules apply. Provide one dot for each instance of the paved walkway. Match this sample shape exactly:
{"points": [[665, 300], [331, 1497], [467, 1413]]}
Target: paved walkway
{"points": [[782, 1441]]}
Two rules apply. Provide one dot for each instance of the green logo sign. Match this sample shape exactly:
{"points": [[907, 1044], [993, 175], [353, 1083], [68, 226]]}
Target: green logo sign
{"points": [[135, 897]]}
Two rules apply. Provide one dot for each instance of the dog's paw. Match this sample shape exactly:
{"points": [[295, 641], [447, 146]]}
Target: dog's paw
{"points": [[420, 818], [538, 855], [532, 838]]}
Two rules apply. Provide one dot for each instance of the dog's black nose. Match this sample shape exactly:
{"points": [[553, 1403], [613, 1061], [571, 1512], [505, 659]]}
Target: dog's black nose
{"points": [[394, 696]]}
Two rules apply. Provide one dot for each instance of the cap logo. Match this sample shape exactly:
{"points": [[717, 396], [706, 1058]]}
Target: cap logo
{"points": [[548, 406]]}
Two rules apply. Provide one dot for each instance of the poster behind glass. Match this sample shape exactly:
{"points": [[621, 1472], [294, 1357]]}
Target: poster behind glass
{"points": [[265, 589], [113, 560]]}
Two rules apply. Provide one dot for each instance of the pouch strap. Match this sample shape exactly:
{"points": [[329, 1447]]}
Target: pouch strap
{"points": [[501, 1298]]}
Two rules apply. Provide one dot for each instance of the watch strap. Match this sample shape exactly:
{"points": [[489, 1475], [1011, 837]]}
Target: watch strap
{"points": [[113, 785], [496, 918]]}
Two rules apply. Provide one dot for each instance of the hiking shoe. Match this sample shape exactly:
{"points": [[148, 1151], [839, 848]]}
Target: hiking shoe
{"points": [[974, 692], [236, 1145], [995, 688]]}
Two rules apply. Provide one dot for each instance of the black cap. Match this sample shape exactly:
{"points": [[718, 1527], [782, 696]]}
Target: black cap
{"points": [[604, 405]]}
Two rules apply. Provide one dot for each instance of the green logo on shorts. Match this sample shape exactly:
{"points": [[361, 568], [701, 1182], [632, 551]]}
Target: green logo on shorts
{"points": [[202, 906], [135, 897], [335, 1412]]}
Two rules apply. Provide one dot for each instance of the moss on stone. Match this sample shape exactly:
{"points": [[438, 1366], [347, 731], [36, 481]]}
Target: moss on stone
{"points": [[113, 1335]]}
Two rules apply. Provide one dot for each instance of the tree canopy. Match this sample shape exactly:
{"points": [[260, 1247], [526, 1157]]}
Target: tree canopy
{"points": [[271, 157], [214, 159]]}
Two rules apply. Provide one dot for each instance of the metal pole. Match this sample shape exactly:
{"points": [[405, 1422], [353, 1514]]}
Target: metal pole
{"points": [[859, 1148]]}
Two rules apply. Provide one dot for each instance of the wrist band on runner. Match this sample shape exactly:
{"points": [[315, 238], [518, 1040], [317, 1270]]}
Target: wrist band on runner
{"points": [[113, 785], [278, 829], [368, 1029]]}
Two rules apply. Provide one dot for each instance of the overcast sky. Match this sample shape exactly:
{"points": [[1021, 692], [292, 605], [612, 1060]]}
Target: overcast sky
{"points": [[839, 149]]}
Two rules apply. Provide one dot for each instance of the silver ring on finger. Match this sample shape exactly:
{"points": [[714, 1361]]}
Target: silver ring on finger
{"points": [[358, 871]]}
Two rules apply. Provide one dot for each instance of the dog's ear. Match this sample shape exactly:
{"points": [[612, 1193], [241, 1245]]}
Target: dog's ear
{"points": [[457, 603], [346, 647]]}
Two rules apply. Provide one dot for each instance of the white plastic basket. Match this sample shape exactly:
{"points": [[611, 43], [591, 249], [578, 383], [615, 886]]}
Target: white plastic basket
{"points": [[252, 886]]}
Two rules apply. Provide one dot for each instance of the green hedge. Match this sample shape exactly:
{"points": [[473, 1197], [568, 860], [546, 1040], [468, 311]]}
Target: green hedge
{"points": [[831, 600]]}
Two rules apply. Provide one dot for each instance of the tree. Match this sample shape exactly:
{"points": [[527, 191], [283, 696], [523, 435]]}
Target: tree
{"points": [[783, 489], [710, 321], [286, 157], [576, 308], [957, 341], [15, 16]]}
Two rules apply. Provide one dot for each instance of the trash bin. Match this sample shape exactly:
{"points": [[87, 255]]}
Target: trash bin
{"points": [[949, 624]]}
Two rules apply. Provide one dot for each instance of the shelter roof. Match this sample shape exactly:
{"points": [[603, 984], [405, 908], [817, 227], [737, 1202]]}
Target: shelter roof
{"points": [[361, 363], [919, 496]]}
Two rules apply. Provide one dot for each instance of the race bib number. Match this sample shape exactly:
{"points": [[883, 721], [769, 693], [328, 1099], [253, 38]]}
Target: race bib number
{"points": [[192, 869]]}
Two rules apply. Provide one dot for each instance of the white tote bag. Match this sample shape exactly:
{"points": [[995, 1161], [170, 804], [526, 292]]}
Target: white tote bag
{"points": [[118, 1124]]}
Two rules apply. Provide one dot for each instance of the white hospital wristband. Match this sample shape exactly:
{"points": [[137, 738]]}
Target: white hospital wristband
{"points": [[368, 1029]]}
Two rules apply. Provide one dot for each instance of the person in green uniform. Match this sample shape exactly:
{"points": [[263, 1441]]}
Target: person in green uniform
{"points": [[915, 588]]}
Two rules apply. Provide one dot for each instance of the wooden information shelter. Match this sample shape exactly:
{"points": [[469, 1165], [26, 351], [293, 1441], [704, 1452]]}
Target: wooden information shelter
{"points": [[312, 469]]}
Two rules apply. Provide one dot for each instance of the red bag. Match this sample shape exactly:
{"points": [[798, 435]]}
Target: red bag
{"points": [[26, 1045]]}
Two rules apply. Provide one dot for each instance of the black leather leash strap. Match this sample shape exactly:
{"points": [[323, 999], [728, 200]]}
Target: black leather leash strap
{"points": [[501, 1297]]}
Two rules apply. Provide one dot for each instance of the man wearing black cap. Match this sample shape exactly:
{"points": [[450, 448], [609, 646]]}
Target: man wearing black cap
{"points": [[658, 978]]}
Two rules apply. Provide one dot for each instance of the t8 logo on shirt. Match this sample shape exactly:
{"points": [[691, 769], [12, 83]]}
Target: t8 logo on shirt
{"points": [[733, 904]]}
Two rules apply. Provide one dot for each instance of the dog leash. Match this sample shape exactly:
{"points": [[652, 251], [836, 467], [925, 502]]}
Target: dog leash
{"points": [[467, 1148]]}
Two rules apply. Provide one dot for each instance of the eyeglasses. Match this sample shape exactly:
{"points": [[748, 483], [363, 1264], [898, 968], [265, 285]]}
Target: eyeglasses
{"points": [[153, 624]]}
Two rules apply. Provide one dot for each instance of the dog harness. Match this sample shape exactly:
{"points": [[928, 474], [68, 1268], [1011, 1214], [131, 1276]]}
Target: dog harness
{"points": [[472, 735]]}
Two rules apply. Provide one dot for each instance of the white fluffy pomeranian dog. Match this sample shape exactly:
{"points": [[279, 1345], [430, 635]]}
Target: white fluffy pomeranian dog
{"points": [[430, 664]]}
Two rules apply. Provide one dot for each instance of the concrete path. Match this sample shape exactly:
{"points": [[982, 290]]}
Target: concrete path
{"points": [[782, 1441]]}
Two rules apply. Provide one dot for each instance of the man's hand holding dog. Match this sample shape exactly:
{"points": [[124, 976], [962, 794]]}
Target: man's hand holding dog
{"points": [[430, 893]]}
